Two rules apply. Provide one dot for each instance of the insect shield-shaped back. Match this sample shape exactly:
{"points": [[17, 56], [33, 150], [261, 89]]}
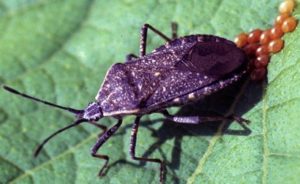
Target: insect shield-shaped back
{"points": [[191, 65], [213, 59]]}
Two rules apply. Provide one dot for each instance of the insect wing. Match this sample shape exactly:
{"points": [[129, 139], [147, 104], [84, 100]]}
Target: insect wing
{"points": [[202, 65], [212, 59]]}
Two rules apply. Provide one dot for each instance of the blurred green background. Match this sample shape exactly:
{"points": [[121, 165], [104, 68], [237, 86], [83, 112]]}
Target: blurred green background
{"points": [[61, 50]]}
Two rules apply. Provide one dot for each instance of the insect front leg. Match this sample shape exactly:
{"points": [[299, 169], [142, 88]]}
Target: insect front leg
{"points": [[133, 138], [201, 119], [102, 127], [101, 140], [144, 31]]}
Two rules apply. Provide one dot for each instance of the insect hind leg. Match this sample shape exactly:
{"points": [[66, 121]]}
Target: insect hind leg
{"points": [[201, 119], [101, 140], [133, 139]]}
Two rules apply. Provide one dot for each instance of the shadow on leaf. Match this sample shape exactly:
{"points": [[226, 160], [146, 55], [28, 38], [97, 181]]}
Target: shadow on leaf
{"points": [[236, 99]]}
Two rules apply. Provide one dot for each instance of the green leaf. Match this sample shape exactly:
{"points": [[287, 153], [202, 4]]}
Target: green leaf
{"points": [[61, 50]]}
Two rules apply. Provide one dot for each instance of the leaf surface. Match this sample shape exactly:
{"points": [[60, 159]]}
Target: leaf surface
{"points": [[61, 50]]}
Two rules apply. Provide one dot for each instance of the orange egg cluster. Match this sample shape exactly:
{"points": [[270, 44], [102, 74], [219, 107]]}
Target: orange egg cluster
{"points": [[260, 44]]}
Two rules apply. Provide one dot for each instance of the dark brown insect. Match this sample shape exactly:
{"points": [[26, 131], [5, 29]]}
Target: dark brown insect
{"points": [[180, 72]]}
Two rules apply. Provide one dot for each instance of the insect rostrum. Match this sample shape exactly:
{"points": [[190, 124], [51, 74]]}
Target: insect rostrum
{"points": [[182, 71]]}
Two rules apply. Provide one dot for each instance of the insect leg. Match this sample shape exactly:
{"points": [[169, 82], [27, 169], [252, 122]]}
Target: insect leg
{"points": [[102, 127], [143, 40], [174, 27], [101, 140], [200, 119], [133, 145]]}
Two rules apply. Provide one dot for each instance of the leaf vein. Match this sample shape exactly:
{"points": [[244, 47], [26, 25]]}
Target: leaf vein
{"points": [[216, 137], [266, 151]]}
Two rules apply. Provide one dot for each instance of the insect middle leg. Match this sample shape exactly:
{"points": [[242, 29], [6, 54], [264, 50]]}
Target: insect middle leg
{"points": [[143, 39], [133, 138], [101, 140]]}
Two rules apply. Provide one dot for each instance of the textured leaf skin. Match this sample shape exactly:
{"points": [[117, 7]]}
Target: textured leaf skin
{"points": [[61, 50]]}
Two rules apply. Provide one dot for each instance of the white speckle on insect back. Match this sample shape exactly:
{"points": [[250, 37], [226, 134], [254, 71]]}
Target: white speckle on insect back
{"points": [[191, 96], [140, 87], [156, 74], [167, 45], [206, 90], [176, 100], [200, 38], [221, 84]]}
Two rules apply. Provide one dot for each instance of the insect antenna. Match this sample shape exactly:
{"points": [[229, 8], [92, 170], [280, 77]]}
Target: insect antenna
{"points": [[11, 90], [40, 147]]}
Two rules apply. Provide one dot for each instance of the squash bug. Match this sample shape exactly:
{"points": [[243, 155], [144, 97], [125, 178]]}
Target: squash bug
{"points": [[182, 71]]}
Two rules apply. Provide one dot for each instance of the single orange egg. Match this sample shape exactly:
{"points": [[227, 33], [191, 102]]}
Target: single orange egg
{"points": [[289, 24], [276, 32], [241, 40], [265, 37], [261, 61], [254, 36], [262, 50], [250, 49], [275, 45], [287, 6]]}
